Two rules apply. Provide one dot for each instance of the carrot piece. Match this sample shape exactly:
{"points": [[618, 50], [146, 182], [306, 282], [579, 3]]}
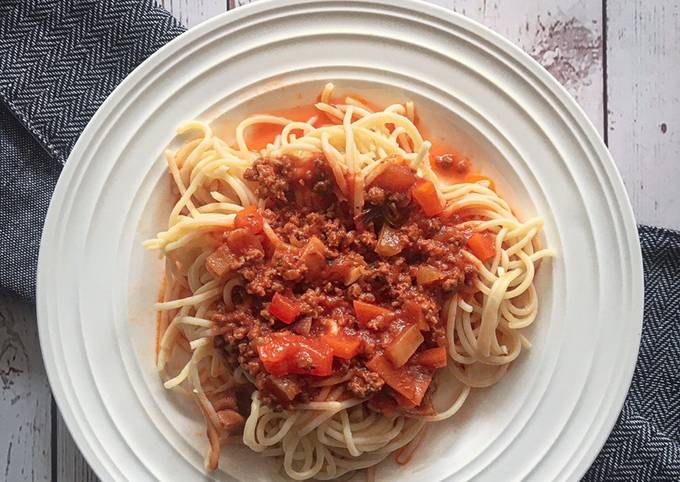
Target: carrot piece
{"points": [[433, 358], [425, 194], [482, 245]]}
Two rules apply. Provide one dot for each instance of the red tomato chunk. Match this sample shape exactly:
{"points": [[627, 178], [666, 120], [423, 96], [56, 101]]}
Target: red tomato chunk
{"points": [[397, 177], [285, 353], [433, 358], [482, 245], [284, 309]]}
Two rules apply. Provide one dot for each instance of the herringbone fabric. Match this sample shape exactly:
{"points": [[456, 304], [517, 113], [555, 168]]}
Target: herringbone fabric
{"points": [[59, 59]]}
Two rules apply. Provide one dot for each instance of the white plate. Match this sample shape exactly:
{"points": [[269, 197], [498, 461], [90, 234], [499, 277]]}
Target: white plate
{"points": [[96, 286]]}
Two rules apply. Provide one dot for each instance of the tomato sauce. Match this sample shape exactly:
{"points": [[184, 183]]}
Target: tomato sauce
{"points": [[259, 135]]}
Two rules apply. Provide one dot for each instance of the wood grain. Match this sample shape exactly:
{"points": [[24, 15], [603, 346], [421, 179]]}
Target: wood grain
{"points": [[643, 99], [192, 12], [25, 399]]}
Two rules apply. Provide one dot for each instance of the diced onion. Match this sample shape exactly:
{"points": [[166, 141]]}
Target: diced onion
{"points": [[389, 242], [427, 275], [405, 345]]}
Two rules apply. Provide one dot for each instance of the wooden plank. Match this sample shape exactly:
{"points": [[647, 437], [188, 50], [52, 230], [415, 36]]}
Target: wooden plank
{"points": [[643, 100], [25, 399], [192, 12], [565, 37]]}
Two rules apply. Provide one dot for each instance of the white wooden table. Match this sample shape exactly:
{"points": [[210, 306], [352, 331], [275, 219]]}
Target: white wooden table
{"points": [[619, 59]]}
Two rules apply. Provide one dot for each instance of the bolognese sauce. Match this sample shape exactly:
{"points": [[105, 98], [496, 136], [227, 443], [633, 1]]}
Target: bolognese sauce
{"points": [[331, 296]]}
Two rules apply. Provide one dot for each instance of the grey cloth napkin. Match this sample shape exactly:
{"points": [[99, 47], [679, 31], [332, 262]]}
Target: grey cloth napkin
{"points": [[60, 59], [645, 443]]}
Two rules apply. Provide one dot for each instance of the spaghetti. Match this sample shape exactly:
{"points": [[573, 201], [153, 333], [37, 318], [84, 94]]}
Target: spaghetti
{"points": [[315, 287]]}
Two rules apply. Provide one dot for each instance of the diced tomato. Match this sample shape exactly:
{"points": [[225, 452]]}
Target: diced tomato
{"points": [[241, 240], [396, 177], [433, 358], [283, 354], [480, 177], [425, 194], [343, 345], [404, 345], [284, 308], [220, 261], [366, 312], [250, 219], [413, 312], [482, 245], [410, 381]]}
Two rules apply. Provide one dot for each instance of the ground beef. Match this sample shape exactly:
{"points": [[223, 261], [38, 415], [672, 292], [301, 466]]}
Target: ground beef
{"points": [[271, 178], [448, 162], [364, 383], [375, 196]]}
